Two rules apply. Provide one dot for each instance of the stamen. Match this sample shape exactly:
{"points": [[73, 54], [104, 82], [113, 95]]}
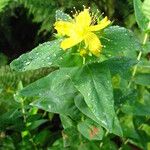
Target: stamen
{"points": [[95, 17], [76, 12], [79, 11], [100, 17], [102, 14]]}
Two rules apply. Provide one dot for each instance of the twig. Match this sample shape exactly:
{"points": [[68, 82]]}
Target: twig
{"points": [[138, 58]]}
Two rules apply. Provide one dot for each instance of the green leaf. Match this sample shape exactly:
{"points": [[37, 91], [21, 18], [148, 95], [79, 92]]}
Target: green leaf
{"points": [[123, 97], [37, 123], [7, 143], [90, 130], [3, 4], [60, 15], [88, 146], [55, 93], [141, 19], [71, 137], [46, 55], [66, 121], [108, 144], [146, 8], [11, 119], [120, 41], [143, 79], [94, 82], [128, 127], [82, 106], [146, 47], [137, 109], [134, 107], [144, 138], [120, 65], [42, 137], [146, 128]]}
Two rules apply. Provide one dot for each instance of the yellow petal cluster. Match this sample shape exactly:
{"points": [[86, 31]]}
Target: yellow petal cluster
{"points": [[79, 29]]}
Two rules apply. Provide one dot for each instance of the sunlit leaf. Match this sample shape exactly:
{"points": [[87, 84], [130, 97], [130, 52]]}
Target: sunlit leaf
{"points": [[146, 8]]}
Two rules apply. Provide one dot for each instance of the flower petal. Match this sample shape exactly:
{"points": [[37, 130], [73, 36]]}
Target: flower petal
{"points": [[83, 19], [102, 24], [64, 27], [69, 42], [93, 43]]}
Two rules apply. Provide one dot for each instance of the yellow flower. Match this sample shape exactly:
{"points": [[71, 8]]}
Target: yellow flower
{"points": [[79, 29]]}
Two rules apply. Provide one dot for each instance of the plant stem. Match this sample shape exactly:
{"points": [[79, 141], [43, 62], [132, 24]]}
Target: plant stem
{"points": [[83, 60], [25, 122], [23, 111], [138, 58], [101, 144]]}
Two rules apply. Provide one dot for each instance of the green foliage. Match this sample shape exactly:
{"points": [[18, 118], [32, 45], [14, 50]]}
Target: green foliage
{"points": [[97, 95], [50, 54], [142, 20], [43, 11], [120, 41], [90, 130], [3, 4], [56, 95], [146, 6], [3, 59], [85, 89], [46, 55]]}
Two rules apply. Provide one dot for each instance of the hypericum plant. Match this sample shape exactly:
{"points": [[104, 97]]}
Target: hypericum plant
{"points": [[99, 97]]}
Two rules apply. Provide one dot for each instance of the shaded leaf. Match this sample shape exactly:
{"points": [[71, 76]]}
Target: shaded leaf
{"points": [[108, 145], [66, 121], [36, 124], [143, 79], [88, 146], [128, 127], [137, 109], [120, 65]]}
